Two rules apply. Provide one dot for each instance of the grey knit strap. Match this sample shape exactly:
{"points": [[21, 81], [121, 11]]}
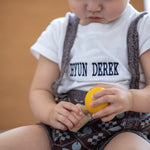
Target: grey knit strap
{"points": [[133, 52], [68, 43]]}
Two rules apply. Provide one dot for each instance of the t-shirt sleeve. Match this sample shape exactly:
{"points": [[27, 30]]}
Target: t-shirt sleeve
{"points": [[46, 44], [144, 34]]}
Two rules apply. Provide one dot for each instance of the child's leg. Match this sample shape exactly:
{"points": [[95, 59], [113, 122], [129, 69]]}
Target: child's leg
{"points": [[25, 138], [127, 141]]}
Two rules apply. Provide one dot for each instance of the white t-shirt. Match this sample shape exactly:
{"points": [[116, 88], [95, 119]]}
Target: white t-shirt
{"points": [[99, 53]]}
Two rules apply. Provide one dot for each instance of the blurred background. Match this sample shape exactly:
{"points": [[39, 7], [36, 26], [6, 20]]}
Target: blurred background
{"points": [[21, 23]]}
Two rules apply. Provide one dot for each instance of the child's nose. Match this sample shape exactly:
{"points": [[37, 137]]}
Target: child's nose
{"points": [[94, 5]]}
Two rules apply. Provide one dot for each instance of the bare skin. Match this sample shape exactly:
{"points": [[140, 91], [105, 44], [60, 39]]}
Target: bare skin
{"points": [[127, 141], [59, 115], [25, 138]]}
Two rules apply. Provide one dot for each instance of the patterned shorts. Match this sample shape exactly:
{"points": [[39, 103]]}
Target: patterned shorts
{"points": [[95, 135], [78, 145]]}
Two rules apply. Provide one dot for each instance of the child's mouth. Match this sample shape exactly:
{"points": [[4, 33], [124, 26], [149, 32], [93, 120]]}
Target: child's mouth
{"points": [[94, 18]]}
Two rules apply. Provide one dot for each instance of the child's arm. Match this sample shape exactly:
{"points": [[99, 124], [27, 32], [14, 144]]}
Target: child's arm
{"points": [[122, 100], [42, 99], [141, 98]]}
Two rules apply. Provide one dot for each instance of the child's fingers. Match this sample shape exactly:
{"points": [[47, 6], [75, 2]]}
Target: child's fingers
{"points": [[67, 114], [64, 120], [68, 118], [105, 99], [106, 85], [109, 110], [72, 107], [103, 92], [59, 125], [106, 114], [108, 118]]}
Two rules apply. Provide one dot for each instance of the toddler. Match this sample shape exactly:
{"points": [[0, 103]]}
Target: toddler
{"points": [[92, 46]]}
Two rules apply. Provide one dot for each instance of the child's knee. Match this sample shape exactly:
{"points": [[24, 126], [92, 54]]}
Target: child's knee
{"points": [[127, 141], [28, 137]]}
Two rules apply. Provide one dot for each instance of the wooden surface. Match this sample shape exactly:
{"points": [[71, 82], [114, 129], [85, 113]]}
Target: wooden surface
{"points": [[21, 22]]}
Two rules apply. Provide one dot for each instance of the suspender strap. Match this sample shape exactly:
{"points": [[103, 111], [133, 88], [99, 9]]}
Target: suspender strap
{"points": [[133, 52], [68, 43]]}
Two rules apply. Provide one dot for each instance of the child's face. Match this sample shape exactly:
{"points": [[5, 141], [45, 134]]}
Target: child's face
{"points": [[101, 11]]}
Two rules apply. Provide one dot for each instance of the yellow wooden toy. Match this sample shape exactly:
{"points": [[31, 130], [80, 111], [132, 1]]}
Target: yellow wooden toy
{"points": [[88, 100], [87, 109]]}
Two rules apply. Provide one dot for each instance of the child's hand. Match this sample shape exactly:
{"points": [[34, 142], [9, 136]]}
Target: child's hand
{"points": [[119, 99], [61, 117]]}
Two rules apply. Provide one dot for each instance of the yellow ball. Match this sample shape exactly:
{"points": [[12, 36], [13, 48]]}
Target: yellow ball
{"points": [[88, 100]]}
